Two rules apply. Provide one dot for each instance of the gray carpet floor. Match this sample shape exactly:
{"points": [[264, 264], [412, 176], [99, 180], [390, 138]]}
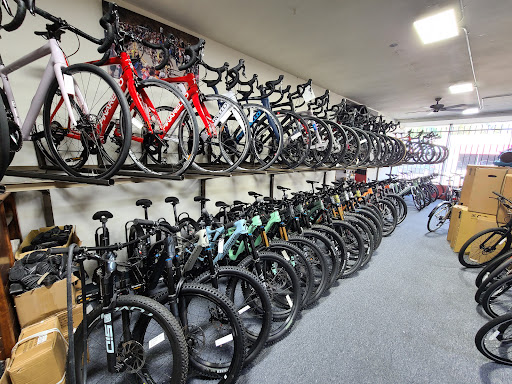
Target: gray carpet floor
{"points": [[408, 317]]}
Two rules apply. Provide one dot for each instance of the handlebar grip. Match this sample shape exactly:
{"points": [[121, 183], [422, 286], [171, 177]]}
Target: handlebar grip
{"points": [[164, 61], [193, 52], [62, 251], [234, 75], [18, 18], [105, 22], [143, 222]]}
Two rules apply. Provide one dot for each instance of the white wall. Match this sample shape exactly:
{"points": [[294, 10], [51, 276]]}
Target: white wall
{"points": [[77, 205]]}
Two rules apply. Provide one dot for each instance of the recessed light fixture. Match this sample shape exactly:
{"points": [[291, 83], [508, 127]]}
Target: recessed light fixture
{"points": [[470, 111], [461, 88], [437, 27]]}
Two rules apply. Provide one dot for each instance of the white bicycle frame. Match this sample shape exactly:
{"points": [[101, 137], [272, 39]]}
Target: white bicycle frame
{"points": [[53, 70]]}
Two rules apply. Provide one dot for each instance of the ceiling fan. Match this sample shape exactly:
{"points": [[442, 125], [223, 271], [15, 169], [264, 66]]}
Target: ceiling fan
{"points": [[437, 107]]}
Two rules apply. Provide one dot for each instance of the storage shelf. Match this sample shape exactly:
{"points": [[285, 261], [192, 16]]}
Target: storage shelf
{"points": [[35, 179]]}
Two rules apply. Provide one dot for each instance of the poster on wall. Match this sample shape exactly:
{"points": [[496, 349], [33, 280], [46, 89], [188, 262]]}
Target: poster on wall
{"points": [[145, 59]]}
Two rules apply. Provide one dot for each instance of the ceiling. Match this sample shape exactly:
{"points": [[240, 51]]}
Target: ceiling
{"points": [[366, 50]]}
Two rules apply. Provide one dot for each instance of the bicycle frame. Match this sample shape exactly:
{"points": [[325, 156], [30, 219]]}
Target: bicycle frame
{"points": [[53, 71], [140, 100], [193, 95]]}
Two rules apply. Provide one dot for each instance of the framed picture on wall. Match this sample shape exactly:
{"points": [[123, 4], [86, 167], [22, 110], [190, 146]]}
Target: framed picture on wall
{"points": [[145, 59]]}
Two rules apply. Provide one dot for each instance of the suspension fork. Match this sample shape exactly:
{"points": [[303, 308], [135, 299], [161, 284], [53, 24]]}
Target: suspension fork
{"points": [[250, 249], [214, 278]]}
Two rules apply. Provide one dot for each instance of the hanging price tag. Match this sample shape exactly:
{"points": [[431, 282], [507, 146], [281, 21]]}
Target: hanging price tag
{"points": [[308, 94]]}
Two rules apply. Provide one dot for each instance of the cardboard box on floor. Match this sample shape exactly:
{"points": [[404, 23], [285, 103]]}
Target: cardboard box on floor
{"points": [[468, 223], [40, 354], [40, 303], [73, 238], [455, 221]]}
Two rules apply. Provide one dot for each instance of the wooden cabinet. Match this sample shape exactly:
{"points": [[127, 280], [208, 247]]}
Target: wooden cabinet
{"points": [[9, 230]]}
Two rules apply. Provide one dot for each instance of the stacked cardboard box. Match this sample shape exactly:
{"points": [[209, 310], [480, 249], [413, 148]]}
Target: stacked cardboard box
{"points": [[479, 209]]}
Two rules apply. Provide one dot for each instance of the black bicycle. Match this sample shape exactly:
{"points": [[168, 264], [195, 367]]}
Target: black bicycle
{"points": [[109, 344]]}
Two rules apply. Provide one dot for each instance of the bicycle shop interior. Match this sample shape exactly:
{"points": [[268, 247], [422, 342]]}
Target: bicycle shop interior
{"points": [[255, 191]]}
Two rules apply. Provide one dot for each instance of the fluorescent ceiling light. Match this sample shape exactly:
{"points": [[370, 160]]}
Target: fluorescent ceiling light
{"points": [[461, 88], [470, 111], [438, 27]]}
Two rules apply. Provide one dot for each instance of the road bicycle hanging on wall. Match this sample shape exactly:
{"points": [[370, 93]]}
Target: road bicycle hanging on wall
{"points": [[81, 91]]}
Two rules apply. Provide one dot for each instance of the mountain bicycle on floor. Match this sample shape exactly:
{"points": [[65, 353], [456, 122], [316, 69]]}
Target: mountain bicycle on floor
{"points": [[80, 92], [488, 244], [110, 344]]}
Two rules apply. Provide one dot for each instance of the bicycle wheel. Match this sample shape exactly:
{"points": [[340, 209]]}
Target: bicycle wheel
{"points": [[339, 145], [366, 234], [251, 301], [484, 246], [354, 244], [85, 150], [321, 141], [319, 265], [400, 205], [497, 273], [155, 353], [497, 299], [267, 137], [489, 268], [324, 240], [5, 146], [296, 139], [224, 149], [438, 216], [213, 331], [389, 216], [353, 147], [284, 288], [299, 261], [494, 339], [163, 148], [375, 224]]}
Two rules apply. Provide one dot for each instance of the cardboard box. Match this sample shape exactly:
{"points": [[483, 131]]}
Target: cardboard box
{"points": [[63, 319], [40, 303], [73, 238], [504, 215], [486, 181], [5, 377], [470, 223], [455, 221], [39, 357], [467, 186]]}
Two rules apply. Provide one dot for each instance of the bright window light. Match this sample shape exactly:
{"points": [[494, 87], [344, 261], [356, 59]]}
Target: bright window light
{"points": [[461, 88], [470, 111], [438, 27]]}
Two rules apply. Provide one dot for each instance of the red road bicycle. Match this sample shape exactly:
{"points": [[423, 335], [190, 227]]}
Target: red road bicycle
{"points": [[225, 137]]}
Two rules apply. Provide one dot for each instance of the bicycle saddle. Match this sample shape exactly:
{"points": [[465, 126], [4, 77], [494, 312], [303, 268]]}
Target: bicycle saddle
{"points": [[239, 202], [202, 199], [221, 204], [173, 200], [312, 182], [145, 203], [282, 188], [255, 194], [102, 215]]}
